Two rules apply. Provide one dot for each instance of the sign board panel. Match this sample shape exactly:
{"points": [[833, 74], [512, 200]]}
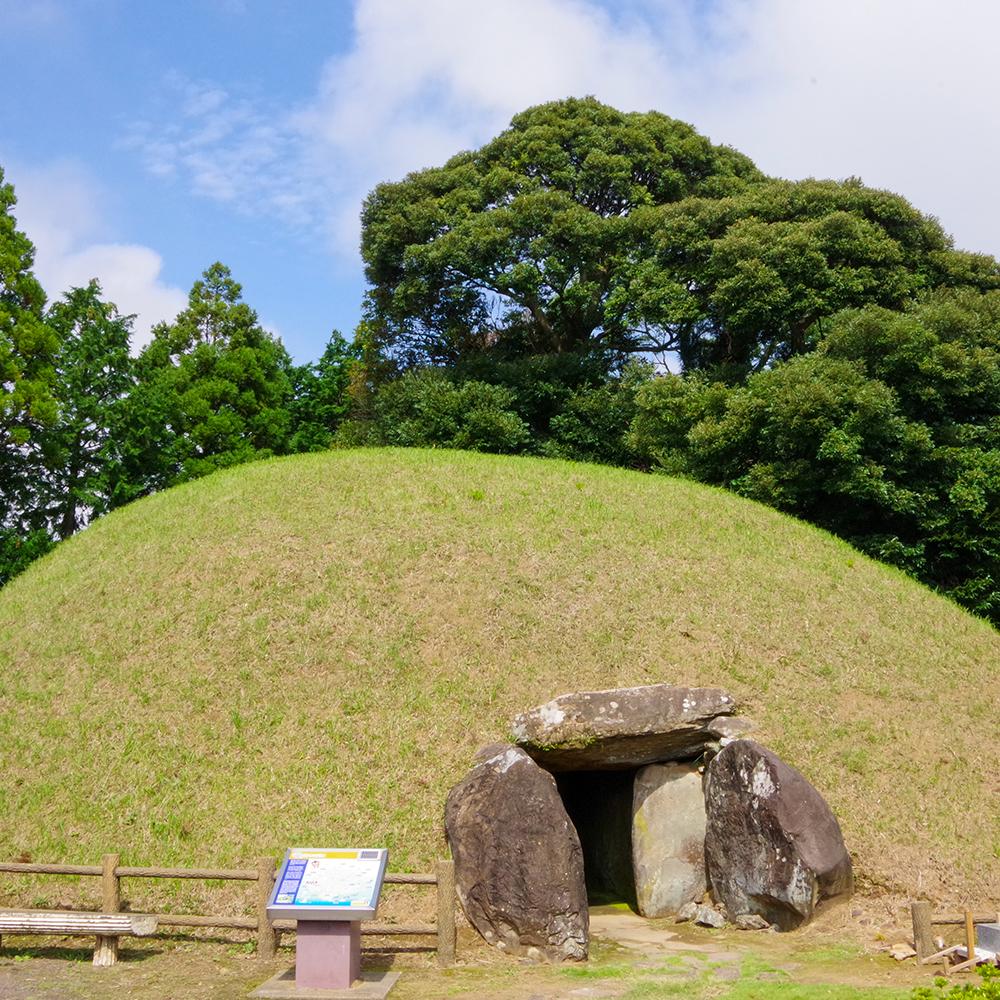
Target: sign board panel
{"points": [[322, 883]]}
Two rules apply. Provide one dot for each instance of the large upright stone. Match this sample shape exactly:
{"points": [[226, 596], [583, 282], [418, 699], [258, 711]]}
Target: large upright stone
{"points": [[668, 838], [772, 845], [518, 863], [622, 727]]}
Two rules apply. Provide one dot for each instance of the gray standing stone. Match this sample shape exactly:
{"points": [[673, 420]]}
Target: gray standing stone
{"points": [[772, 845], [518, 863], [622, 727], [668, 838]]}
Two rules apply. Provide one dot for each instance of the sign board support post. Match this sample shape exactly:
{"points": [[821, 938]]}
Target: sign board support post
{"points": [[327, 954]]}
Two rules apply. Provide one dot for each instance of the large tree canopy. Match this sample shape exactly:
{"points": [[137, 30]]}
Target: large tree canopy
{"points": [[522, 244], [583, 229]]}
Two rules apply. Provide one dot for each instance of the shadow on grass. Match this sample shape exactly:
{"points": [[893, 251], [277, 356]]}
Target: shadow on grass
{"points": [[83, 954]]}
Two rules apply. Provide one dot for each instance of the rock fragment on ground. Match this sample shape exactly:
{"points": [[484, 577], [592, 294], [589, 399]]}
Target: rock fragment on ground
{"points": [[708, 916], [622, 727], [668, 838], [518, 862], [772, 845], [750, 922]]}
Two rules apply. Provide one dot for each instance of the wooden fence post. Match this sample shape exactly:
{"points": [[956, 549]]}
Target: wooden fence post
{"points": [[445, 871], [267, 939], [923, 935], [106, 951]]}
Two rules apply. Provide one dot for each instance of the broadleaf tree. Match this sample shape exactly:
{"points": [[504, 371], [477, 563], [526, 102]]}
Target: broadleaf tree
{"points": [[518, 247], [584, 229], [888, 434]]}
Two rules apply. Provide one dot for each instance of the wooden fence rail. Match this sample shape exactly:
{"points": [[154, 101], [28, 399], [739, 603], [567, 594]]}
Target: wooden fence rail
{"points": [[111, 873]]}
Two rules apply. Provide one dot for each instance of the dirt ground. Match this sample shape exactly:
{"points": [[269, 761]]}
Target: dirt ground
{"points": [[630, 956]]}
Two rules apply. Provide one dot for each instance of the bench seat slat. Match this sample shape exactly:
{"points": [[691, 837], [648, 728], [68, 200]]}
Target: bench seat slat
{"points": [[63, 922]]}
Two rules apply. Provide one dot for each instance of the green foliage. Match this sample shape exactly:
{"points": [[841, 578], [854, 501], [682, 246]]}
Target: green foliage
{"points": [[942, 359], [520, 247], [320, 396], [987, 989], [213, 391], [594, 423], [27, 373], [541, 384], [19, 548], [888, 434], [424, 408], [81, 448], [583, 229], [742, 281], [26, 342]]}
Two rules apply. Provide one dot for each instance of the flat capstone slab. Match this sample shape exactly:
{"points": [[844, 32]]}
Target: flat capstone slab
{"points": [[623, 727], [371, 986]]}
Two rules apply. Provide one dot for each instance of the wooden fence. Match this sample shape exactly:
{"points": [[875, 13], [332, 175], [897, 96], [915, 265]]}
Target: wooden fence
{"points": [[111, 872], [924, 922]]}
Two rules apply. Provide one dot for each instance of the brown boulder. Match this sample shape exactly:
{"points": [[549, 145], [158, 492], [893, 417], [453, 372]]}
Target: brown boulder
{"points": [[622, 727], [518, 863], [772, 845]]}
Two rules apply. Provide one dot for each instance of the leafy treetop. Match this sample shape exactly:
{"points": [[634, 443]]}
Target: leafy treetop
{"points": [[521, 243], [213, 390], [584, 229]]}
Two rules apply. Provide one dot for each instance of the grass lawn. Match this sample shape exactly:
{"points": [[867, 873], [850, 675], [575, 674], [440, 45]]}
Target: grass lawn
{"points": [[310, 650], [706, 965]]}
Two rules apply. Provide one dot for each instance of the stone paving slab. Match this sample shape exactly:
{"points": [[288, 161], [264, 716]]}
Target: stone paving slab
{"points": [[371, 986]]}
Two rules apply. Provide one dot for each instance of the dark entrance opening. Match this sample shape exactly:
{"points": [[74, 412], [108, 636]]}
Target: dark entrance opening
{"points": [[599, 804]]}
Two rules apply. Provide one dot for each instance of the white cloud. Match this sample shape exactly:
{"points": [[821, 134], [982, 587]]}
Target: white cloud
{"points": [[900, 92], [59, 207], [424, 79]]}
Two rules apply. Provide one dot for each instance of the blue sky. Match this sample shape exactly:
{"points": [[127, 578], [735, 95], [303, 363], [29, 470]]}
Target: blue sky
{"points": [[147, 139]]}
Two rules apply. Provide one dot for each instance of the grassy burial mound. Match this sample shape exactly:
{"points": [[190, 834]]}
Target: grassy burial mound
{"points": [[310, 649]]}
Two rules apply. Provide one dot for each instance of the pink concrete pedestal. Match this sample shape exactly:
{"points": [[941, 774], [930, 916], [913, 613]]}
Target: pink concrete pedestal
{"points": [[327, 954]]}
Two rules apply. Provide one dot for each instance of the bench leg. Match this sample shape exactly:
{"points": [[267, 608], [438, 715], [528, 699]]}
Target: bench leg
{"points": [[106, 952]]}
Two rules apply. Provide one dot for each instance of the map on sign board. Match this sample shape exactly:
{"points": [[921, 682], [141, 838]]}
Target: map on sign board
{"points": [[328, 883]]}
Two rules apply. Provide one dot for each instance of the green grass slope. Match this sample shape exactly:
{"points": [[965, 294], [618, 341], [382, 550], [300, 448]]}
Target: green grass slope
{"points": [[309, 650]]}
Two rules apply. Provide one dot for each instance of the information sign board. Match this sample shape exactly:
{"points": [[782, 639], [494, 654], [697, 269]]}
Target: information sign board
{"points": [[320, 883]]}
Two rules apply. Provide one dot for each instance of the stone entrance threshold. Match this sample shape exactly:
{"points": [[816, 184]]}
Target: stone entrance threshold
{"points": [[371, 986], [638, 934]]}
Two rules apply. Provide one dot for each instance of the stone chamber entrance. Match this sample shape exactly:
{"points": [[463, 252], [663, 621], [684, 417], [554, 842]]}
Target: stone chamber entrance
{"points": [[649, 796], [599, 804]]}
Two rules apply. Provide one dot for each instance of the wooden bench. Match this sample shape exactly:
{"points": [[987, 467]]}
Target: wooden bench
{"points": [[107, 927]]}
